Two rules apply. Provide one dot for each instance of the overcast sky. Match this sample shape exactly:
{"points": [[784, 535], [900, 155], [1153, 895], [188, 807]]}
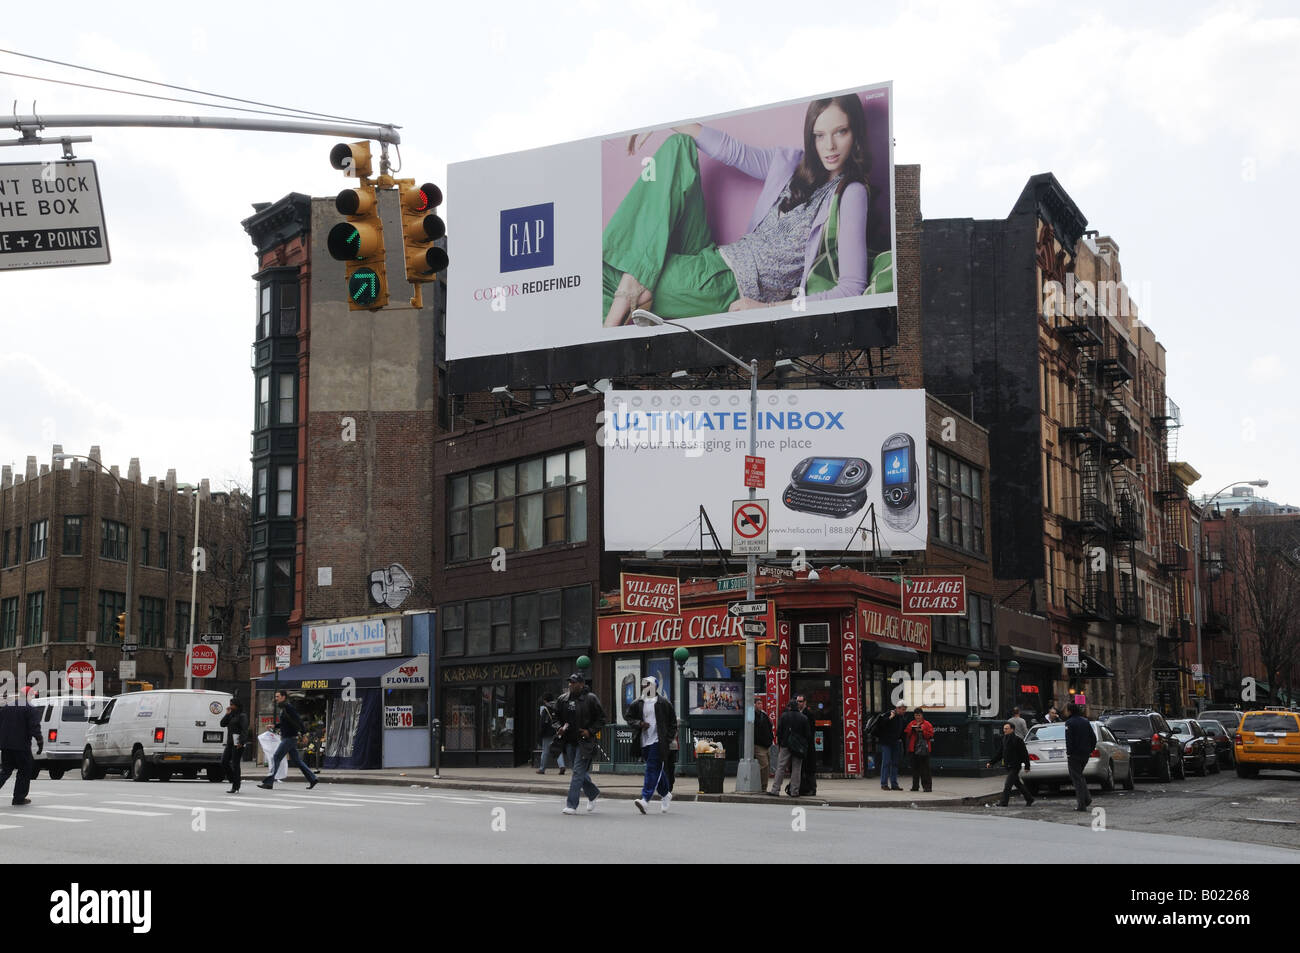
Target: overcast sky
{"points": [[1173, 127]]}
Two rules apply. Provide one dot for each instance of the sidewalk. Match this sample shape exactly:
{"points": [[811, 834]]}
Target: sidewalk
{"points": [[832, 792]]}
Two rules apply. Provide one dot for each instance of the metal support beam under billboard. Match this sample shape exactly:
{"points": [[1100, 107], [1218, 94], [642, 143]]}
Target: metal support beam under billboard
{"points": [[747, 773]]}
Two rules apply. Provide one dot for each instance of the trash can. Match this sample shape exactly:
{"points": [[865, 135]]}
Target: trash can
{"points": [[712, 770]]}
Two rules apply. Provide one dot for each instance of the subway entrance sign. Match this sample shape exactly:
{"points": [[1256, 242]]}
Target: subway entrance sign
{"points": [[51, 215]]}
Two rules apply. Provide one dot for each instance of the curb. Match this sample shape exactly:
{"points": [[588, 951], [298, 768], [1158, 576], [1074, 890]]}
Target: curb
{"points": [[617, 795]]}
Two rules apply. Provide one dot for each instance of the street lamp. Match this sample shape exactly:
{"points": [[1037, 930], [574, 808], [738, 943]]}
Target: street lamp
{"points": [[194, 585], [1196, 575], [747, 777], [130, 561]]}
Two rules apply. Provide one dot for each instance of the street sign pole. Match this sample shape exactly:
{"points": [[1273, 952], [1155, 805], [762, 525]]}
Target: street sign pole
{"points": [[747, 776]]}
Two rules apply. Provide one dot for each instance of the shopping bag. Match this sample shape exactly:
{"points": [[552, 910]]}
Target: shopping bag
{"points": [[269, 741]]}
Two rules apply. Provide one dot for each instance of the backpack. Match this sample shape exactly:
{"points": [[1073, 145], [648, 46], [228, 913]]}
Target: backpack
{"points": [[921, 745]]}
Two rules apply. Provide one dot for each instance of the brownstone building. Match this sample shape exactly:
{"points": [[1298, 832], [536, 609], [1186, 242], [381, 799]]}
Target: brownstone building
{"points": [[69, 535]]}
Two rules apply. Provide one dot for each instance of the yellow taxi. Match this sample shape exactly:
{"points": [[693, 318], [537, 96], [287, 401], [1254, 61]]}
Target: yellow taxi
{"points": [[1267, 739]]}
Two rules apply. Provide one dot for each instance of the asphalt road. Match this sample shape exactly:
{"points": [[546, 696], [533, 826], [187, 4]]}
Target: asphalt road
{"points": [[1220, 807], [119, 821]]}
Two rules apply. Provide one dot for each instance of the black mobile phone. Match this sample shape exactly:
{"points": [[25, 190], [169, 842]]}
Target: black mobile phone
{"points": [[828, 486], [898, 484]]}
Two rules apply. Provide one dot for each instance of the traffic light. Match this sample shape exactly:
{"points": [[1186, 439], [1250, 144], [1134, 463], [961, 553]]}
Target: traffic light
{"points": [[120, 628], [353, 158], [420, 229], [764, 655], [360, 243]]}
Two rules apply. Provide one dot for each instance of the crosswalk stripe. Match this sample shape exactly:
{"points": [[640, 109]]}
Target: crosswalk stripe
{"points": [[104, 810], [327, 801], [345, 798], [246, 802], [183, 807], [42, 817], [44, 793]]}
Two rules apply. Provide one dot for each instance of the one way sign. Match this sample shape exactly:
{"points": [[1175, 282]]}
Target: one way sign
{"points": [[747, 608]]}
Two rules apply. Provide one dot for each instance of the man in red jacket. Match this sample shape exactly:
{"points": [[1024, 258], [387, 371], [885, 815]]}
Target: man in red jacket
{"points": [[920, 734]]}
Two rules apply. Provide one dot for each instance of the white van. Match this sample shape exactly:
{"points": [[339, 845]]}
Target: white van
{"points": [[64, 720], [157, 734]]}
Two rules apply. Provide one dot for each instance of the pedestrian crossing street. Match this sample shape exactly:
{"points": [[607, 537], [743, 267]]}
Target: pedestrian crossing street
{"points": [[51, 808]]}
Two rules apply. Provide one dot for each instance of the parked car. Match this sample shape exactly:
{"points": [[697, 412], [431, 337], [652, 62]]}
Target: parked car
{"points": [[1230, 719], [64, 720], [157, 733], [1110, 761], [1152, 745], [1199, 751], [1222, 742], [1269, 738]]}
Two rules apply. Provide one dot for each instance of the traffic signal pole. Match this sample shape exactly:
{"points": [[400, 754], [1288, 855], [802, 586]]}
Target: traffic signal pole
{"points": [[30, 126]]}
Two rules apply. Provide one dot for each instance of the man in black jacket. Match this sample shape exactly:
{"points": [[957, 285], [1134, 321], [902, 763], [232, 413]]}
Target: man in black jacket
{"points": [[889, 730], [19, 727], [580, 719], [236, 724], [1080, 740], [762, 742], [291, 727], [794, 739], [1011, 754], [656, 723]]}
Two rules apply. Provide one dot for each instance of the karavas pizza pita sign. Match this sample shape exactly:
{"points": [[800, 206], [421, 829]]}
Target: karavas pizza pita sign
{"points": [[934, 595], [656, 595]]}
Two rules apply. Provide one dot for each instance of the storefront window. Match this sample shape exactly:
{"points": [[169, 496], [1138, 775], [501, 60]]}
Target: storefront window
{"points": [[715, 665], [415, 699], [498, 717], [460, 706]]}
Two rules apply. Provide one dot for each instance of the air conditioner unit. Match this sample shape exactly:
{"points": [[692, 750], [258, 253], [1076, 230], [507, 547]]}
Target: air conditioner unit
{"points": [[815, 633], [814, 660]]}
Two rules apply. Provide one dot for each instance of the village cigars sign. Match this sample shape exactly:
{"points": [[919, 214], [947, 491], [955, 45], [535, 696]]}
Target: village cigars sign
{"points": [[889, 626], [654, 595], [710, 625]]}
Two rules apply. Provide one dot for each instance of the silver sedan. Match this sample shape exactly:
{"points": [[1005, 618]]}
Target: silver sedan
{"points": [[1108, 765]]}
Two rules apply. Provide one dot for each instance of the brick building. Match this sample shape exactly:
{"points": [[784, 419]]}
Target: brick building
{"points": [[69, 536]]}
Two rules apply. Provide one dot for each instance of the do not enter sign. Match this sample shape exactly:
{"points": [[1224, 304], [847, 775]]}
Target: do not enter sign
{"points": [[203, 661], [749, 527], [80, 676]]}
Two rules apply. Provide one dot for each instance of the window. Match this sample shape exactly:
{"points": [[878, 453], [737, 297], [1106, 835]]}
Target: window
{"points": [[112, 540], [523, 623], [288, 308], [111, 605], [69, 602], [264, 312], [260, 492], [182, 551], [518, 506], [144, 547], [956, 502], [162, 550], [259, 588], [32, 635], [263, 400], [18, 546], [181, 634], [281, 586], [284, 399], [4, 551], [284, 491], [37, 538], [8, 622], [150, 625]]}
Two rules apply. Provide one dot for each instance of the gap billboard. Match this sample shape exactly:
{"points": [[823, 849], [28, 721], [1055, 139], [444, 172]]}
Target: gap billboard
{"points": [[838, 463], [779, 213]]}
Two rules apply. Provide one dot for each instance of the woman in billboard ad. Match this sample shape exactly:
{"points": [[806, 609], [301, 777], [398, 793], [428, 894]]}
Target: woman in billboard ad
{"points": [[806, 235]]}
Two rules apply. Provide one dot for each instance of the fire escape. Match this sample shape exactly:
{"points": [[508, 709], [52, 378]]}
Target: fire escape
{"points": [[1116, 367], [1085, 424], [1172, 554]]}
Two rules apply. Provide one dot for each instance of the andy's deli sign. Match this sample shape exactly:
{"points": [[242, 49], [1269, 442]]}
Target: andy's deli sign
{"points": [[710, 625], [934, 595], [654, 595]]}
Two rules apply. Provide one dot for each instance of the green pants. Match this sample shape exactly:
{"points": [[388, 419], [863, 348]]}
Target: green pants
{"points": [[660, 236]]}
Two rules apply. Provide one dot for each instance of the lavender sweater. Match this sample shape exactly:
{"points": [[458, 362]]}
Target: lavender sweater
{"points": [[775, 167]]}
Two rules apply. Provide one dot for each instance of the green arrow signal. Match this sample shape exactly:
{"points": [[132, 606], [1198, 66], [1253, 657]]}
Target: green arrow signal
{"points": [[365, 287]]}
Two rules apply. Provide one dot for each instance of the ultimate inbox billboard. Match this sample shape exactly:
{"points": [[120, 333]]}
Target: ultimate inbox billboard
{"points": [[777, 214], [835, 458]]}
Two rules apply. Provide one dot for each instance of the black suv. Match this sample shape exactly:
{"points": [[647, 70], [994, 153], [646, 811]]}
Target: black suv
{"points": [[1153, 747]]}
